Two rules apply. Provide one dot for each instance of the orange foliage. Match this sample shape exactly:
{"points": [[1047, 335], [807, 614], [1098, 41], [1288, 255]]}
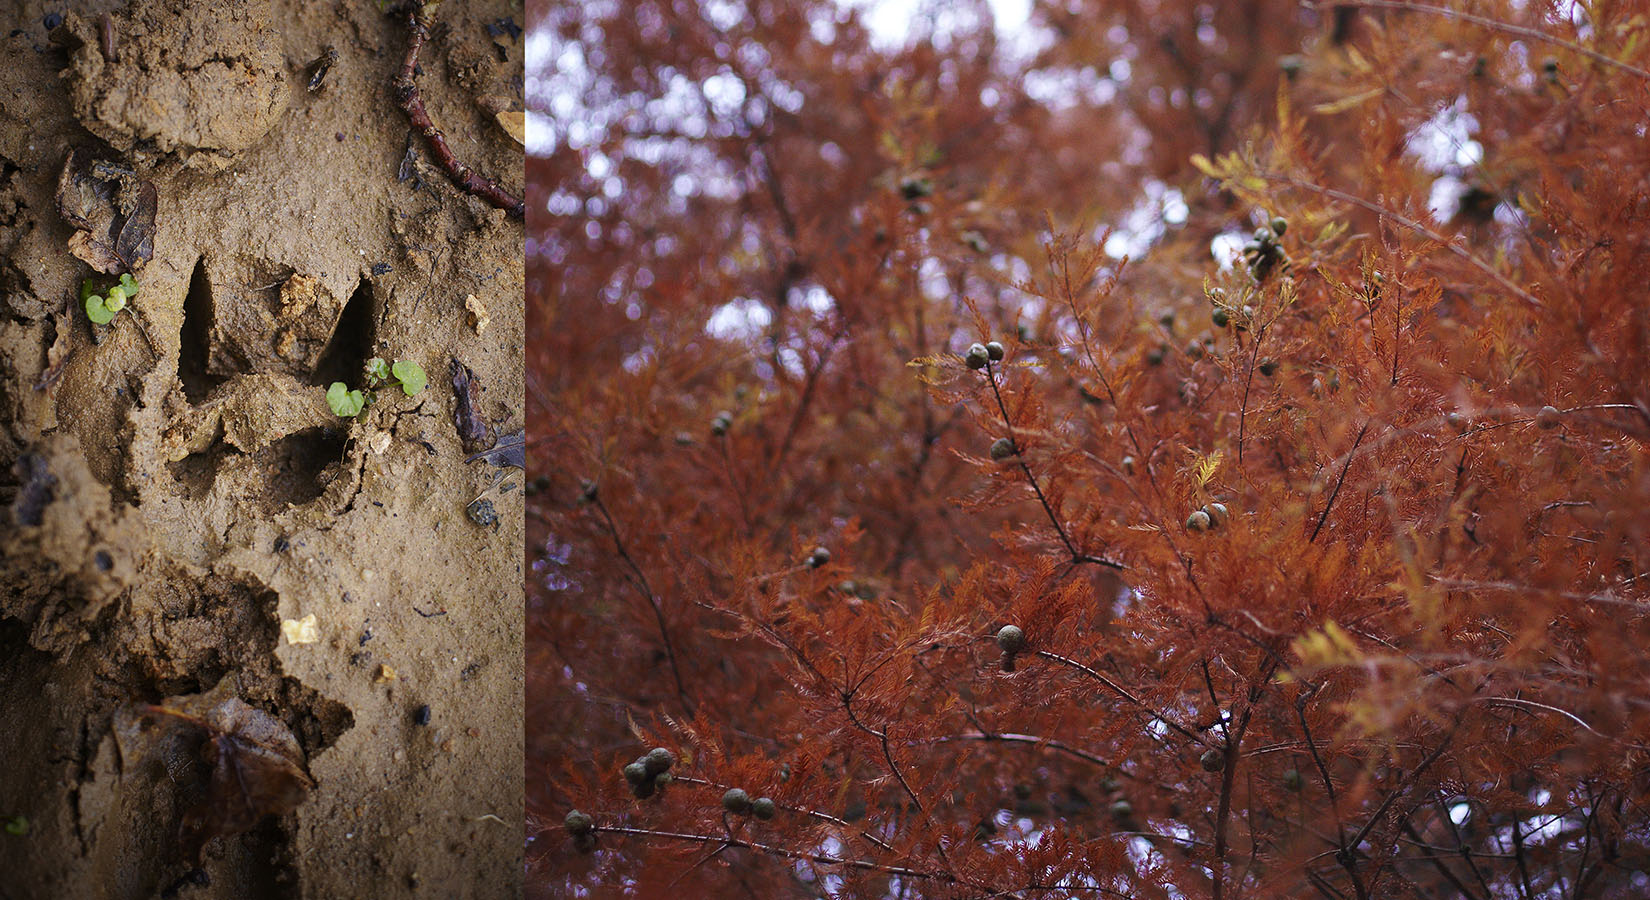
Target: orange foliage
{"points": [[1404, 656]]}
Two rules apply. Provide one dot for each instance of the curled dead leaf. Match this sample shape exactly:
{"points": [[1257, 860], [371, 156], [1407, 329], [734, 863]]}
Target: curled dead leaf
{"points": [[511, 450], [112, 210], [239, 762], [472, 429]]}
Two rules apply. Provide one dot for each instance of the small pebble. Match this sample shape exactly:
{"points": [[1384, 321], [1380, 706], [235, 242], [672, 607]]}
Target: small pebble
{"points": [[482, 513], [421, 716]]}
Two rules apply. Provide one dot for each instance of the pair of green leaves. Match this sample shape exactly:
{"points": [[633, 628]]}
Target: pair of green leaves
{"points": [[102, 308], [408, 374], [404, 372]]}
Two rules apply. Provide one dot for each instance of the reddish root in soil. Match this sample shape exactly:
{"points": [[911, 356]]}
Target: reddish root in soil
{"points": [[406, 91]]}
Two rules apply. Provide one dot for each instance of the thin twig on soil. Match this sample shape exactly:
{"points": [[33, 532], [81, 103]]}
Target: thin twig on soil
{"points": [[406, 92]]}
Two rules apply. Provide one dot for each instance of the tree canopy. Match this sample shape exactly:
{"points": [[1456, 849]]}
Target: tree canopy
{"points": [[1284, 537]]}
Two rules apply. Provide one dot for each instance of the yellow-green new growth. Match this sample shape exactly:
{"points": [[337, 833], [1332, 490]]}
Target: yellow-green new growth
{"points": [[344, 402], [408, 374], [102, 308], [379, 373]]}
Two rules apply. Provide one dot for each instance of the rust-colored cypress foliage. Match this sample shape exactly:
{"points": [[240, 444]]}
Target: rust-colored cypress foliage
{"points": [[1312, 567]]}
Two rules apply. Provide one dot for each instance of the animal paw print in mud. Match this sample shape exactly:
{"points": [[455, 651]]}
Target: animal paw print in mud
{"points": [[257, 341]]}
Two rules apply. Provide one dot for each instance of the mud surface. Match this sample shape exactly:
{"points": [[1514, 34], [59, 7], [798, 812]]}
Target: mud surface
{"points": [[174, 487]]}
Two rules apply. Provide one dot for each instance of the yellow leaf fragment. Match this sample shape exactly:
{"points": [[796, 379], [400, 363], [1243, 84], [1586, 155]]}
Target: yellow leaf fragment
{"points": [[514, 124], [301, 631], [1346, 103], [1328, 646], [477, 313], [1204, 468]]}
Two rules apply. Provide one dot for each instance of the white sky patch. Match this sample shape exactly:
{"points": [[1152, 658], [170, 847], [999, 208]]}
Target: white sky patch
{"points": [[638, 361], [541, 138], [1143, 853], [829, 883], [791, 359], [821, 28], [814, 299], [1227, 248], [784, 95], [724, 14], [931, 276], [741, 319], [1445, 140], [1575, 13], [1541, 829], [556, 82], [562, 203], [1141, 226], [1445, 198], [1067, 88], [1175, 209], [725, 92], [891, 22]]}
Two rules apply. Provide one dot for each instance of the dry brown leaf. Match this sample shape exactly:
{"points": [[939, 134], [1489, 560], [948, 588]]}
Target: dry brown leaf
{"points": [[253, 765], [112, 210], [472, 429]]}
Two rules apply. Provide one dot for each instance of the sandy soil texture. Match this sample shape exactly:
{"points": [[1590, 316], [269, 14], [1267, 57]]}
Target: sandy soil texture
{"points": [[176, 497]]}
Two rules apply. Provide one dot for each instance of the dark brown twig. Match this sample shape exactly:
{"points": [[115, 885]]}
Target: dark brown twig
{"points": [[646, 590], [406, 92], [1121, 692], [1076, 555], [1438, 863], [811, 813], [778, 851], [1342, 480]]}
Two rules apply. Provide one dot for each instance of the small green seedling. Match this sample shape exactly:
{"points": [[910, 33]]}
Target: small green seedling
{"points": [[343, 402], [17, 825], [101, 309], [405, 373]]}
